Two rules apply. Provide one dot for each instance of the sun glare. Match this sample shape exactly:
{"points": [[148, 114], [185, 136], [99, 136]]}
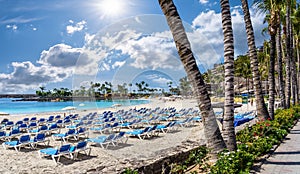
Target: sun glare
{"points": [[112, 8]]}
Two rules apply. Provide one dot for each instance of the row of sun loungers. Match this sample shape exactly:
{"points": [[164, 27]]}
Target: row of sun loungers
{"points": [[26, 140], [68, 150], [113, 139], [71, 133]]}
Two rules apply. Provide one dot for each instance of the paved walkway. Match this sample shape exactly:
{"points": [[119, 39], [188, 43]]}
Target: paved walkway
{"points": [[286, 158]]}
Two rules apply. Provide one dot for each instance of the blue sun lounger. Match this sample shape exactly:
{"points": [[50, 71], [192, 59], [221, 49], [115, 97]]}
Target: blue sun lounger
{"points": [[80, 147], [166, 128], [141, 133], [64, 136], [39, 138], [119, 138], [102, 140], [64, 150], [17, 144], [12, 134]]}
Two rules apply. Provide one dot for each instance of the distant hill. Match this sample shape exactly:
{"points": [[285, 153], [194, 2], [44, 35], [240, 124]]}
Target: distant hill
{"points": [[18, 95]]}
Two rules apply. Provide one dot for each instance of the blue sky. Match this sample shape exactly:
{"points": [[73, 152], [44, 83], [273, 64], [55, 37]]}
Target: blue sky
{"points": [[55, 43]]}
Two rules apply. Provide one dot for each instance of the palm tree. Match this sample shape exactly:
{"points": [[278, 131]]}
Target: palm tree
{"points": [[246, 71], [130, 85], [288, 54], [272, 77], [239, 69], [97, 92], [296, 24], [42, 88], [212, 132], [42, 91], [139, 86], [273, 14], [184, 86], [280, 65], [293, 59], [82, 91], [262, 111], [228, 128]]}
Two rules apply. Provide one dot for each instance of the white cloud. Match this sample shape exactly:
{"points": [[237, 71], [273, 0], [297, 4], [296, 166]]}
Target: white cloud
{"points": [[55, 65], [61, 55], [27, 76], [88, 38], [79, 60], [153, 51], [111, 41], [75, 28], [158, 79], [18, 20], [104, 67], [13, 27], [203, 1], [209, 24], [118, 64]]}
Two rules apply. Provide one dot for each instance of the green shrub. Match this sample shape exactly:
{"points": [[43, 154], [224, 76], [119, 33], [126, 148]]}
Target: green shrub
{"points": [[233, 162], [256, 141]]}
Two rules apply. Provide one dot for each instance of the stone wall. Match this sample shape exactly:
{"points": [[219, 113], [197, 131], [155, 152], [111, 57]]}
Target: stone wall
{"points": [[161, 164]]}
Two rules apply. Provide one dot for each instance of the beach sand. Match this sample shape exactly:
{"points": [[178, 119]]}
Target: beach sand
{"points": [[110, 160]]}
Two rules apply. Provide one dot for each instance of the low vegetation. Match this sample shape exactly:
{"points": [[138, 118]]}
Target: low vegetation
{"points": [[256, 141]]}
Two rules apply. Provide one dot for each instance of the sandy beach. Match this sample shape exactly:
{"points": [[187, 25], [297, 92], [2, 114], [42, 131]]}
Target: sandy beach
{"points": [[112, 159]]}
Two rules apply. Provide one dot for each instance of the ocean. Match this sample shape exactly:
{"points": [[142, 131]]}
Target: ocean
{"points": [[11, 107]]}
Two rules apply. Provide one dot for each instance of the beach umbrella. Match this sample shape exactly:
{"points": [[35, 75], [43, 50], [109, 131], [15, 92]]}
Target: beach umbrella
{"points": [[69, 108], [81, 104]]}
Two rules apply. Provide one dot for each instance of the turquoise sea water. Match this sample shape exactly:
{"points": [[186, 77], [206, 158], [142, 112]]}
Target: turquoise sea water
{"points": [[26, 107]]}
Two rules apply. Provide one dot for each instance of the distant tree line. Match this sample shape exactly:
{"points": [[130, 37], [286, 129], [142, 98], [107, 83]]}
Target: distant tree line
{"points": [[106, 90]]}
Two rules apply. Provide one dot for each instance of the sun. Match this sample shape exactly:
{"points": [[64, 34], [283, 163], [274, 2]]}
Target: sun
{"points": [[112, 8]]}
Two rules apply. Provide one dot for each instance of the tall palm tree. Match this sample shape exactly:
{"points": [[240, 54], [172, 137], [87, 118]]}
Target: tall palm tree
{"points": [[288, 54], [212, 132], [280, 65], [185, 86], [293, 58], [272, 77], [272, 8], [242, 69], [42, 91], [296, 24], [228, 128], [130, 85], [262, 111]]}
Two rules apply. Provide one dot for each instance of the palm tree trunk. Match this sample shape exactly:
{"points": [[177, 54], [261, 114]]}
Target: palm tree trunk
{"points": [[272, 77], [293, 68], [298, 73], [228, 127], [262, 111], [280, 71], [212, 132], [288, 56]]}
